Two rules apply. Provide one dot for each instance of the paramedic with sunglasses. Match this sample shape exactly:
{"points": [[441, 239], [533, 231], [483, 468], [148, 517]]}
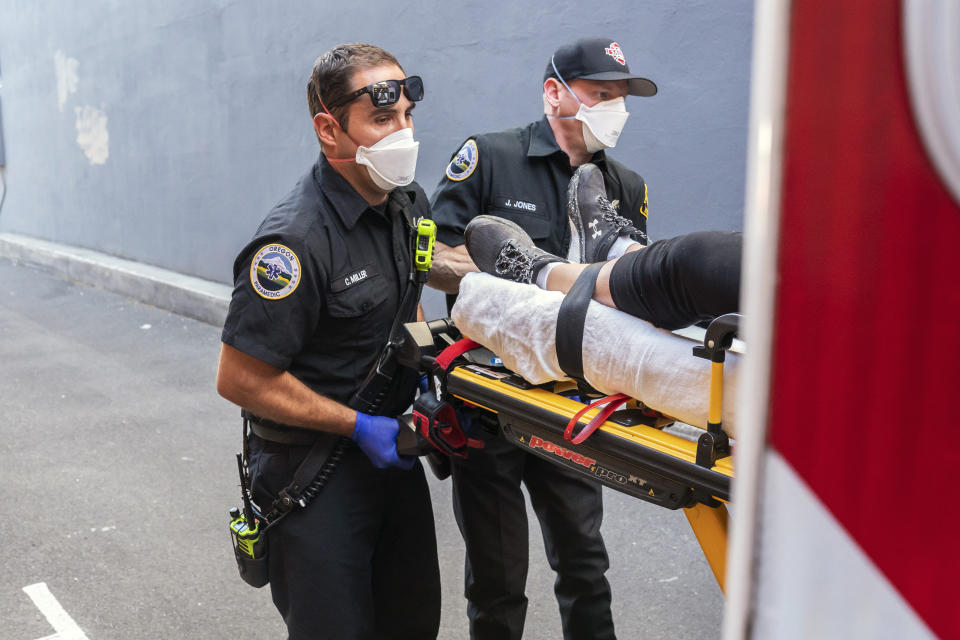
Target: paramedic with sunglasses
{"points": [[522, 175], [316, 292]]}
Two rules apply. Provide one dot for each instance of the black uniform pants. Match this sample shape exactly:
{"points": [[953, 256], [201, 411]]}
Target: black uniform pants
{"points": [[489, 508], [680, 281], [361, 560]]}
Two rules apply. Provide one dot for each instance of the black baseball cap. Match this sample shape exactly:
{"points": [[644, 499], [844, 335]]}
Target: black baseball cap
{"points": [[597, 59]]}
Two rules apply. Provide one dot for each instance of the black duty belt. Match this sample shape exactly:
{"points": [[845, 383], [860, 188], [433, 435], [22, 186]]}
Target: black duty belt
{"points": [[279, 433]]}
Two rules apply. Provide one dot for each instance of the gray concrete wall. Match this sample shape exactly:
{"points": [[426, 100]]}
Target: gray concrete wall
{"points": [[163, 131]]}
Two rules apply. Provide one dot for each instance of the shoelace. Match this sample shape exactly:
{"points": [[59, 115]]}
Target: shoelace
{"points": [[610, 215], [514, 263]]}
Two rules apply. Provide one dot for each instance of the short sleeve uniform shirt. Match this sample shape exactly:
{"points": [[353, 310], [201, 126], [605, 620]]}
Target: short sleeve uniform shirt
{"points": [[522, 175], [317, 289]]}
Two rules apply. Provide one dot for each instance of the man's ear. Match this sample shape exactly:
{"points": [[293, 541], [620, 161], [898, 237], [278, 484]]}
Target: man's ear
{"points": [[551, 92], [324, 125]]}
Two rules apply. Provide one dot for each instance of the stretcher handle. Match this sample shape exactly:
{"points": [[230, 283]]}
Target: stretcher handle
{"points": [[719, 337]]}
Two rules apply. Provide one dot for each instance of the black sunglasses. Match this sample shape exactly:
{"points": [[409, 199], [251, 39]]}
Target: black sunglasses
{"points": [[387, 92]]}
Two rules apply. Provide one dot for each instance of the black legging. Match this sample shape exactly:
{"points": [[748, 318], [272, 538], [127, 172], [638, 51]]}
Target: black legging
{"points": [[680, 281]]}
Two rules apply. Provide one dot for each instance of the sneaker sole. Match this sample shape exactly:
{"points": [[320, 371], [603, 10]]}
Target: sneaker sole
{"points": [[576, 223]]}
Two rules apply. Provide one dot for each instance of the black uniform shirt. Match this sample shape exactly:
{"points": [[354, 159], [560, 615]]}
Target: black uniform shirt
{"points": [[317, 289], [522, 175]]}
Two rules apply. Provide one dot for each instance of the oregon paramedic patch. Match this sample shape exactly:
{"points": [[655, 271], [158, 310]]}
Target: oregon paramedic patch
{"points": [[275, 271], [464, 163]]}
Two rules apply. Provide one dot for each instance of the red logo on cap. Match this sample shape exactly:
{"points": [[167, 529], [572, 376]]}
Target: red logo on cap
{"points": [[615, 52]]}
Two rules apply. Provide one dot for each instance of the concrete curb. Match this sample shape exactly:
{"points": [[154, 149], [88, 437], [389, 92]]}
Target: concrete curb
{"points": [[186, 295]]}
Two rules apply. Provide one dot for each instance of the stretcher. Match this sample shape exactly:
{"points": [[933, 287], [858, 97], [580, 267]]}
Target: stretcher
{"points": [[635, 450]]}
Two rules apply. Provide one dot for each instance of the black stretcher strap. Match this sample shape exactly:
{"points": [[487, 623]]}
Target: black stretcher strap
{"points": [[308, 470], [571, 321]]}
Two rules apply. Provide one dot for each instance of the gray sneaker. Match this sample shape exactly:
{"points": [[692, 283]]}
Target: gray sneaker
{"points": [[501, 248], [594, 222]]}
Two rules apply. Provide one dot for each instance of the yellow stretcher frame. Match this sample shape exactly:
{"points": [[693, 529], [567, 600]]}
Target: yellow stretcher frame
{"points": [[625, 458], [630, 452]]}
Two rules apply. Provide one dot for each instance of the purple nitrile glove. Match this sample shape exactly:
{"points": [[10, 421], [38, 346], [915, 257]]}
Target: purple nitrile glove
{"points": [[377, 437]]}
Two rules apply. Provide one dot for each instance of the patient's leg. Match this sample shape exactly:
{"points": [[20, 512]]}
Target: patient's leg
{"points": [[672, 283], [561, 277], [680, 281]]}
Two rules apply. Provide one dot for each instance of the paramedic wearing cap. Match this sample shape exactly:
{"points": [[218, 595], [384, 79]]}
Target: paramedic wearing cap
{"points": [[315, 294], [522, 175]]}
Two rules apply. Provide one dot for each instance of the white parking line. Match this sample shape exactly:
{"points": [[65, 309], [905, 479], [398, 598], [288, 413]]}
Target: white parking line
{"points": [[60, 620]]}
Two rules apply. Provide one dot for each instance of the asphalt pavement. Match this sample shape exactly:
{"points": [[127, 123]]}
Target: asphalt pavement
{"points": [[117, 470]]}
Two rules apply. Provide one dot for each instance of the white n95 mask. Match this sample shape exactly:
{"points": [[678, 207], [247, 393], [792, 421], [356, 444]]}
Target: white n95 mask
{"points": [[392, 161], [602, 123]]}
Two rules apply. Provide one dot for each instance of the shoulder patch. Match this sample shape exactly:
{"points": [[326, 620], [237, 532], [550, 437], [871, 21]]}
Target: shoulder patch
{"points": [[643, 207], [274, 271], [464, 163]]}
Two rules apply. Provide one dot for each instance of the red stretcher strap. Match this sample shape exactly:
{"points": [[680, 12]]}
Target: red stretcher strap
{"points": [[455, 350], [612, 402]]}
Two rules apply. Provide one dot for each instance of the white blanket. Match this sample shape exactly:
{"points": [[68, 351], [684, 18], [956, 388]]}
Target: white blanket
{"points": [[621, 353]]}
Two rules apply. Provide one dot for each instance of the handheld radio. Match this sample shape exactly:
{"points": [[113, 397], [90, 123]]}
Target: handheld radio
{"points": [[249, 547], [423, 252]]}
